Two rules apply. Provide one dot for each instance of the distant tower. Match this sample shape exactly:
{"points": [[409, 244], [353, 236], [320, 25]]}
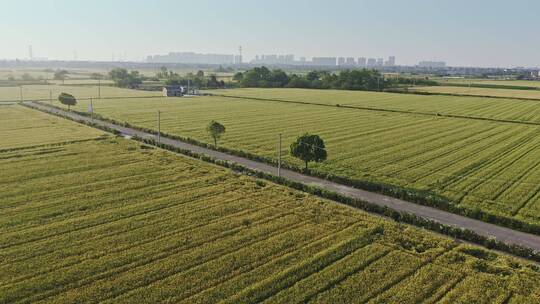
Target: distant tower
{"points": [[239, 60], [30, 54]]}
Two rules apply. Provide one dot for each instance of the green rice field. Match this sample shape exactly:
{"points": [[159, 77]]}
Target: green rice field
{"points": [[45, 92], [497, 82], [107, 220], [488, 165], [21, 127], [495, 92], [492, 108]]}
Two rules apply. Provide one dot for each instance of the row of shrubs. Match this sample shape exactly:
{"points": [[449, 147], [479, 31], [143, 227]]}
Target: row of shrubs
{"points": [[402, 217], [421, 197]]}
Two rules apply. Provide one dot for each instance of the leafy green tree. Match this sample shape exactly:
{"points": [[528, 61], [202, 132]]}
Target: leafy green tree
{"points": [[124, 79], [27, 77], [67, 99], [213, 82], [313, 75], [61, 75], [309, 147], [96, 76], [163, 73], [200, 74], [238, 76], [279, 78], [215, 129]]}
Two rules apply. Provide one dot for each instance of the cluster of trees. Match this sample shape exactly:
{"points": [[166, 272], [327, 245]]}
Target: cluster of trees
{"points": [[368, 80], [124, 79], [424, 81], [199, 79]]}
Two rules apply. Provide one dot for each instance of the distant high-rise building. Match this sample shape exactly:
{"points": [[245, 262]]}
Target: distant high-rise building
{"points": [[302, 59], [190, 57], [238, 59], [361, 61], [371, 62], [432, 64], [324, 60], [391, 61], [350, 61], [274, 59], [30, 53], [380, 62], [341, 61]]}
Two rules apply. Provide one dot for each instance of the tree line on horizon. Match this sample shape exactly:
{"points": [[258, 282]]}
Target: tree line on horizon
{"points": [[263, 77]]}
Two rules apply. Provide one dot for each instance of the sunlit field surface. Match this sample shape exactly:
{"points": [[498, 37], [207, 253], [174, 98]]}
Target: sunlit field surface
{"points": [[488, 165], [496, 92], [20, 127], [109, 221], [492, 108], [497, 82], [46, 92]]}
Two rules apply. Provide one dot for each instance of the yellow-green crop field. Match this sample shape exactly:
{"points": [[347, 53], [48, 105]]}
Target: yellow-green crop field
{"points": [[492, 108], [487, 165], [498, 82], [109, 221], [44, 92], [496, 92], [21, 127]]}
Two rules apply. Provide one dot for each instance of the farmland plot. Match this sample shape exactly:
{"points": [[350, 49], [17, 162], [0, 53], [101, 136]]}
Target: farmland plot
{"points": [[45, 92], [111, 221], [489, 165], [493, 108], [512, 93], [20, 126]]}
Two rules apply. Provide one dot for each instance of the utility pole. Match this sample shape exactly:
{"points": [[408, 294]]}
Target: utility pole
{"points": [[99, 88], [20, 90], [159, 126], [279, 157], [50, 96], [91, 110]]}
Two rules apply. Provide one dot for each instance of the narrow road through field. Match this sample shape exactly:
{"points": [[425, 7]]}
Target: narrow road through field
{"points": [[500, 233]]}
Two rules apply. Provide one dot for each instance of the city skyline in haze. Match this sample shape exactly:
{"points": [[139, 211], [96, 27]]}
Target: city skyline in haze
{"points": [[462, 33]]}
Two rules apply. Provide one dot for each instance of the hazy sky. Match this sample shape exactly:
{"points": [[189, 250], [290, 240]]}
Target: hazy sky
{"points": [[461, 32]]}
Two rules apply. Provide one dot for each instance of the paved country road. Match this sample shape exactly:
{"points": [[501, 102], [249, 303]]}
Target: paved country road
{"points": [[486, 229]]}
